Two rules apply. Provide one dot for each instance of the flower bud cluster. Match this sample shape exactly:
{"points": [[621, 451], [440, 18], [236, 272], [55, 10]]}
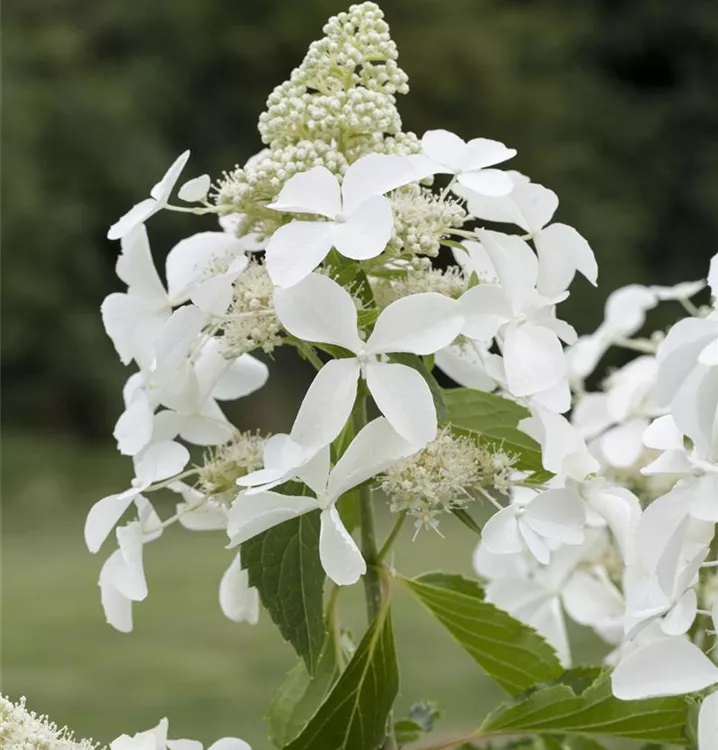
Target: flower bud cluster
{"points": [[345, 86], [246, 188], [421, 218], [445, 474], [417, 277], [21, 729], [251, 322]]}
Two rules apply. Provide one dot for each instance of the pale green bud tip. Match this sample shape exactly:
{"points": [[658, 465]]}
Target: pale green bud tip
{"points": [[21, 729]]}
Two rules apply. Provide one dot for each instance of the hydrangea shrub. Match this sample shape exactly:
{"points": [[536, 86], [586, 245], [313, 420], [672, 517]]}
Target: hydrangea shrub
{"points": [[383, 257]]}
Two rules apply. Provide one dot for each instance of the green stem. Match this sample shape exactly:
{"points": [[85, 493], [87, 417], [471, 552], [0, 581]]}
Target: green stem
{"points": [[393, 534]]}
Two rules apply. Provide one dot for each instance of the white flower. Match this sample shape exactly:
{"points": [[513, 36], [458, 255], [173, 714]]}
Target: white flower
{"points": [[466, 365], [667, 666], [360, 217], [549, 518], [201, 268], [195, 190], [159, 462], [524, 321], [561, 249], [708, 723], [239, 601], [160, 194], [122, 577], [318, 309], [375, 447], [156, 739], [444, 152], [563, 450]]}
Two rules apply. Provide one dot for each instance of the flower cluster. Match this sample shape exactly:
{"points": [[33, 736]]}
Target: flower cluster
{"points": [[639, 569], [328, 246]]}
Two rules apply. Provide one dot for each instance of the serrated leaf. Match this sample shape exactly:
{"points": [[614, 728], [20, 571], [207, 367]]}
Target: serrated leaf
{"points": [[494, 421], [283, 564], [354, 714], [300, 696], [514, 654], [593, 713]]}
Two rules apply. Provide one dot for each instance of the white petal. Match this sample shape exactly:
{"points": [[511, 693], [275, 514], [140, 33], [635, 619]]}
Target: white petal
{"points": [[161, 461], [133, 324], [214, 295], [474, 259], [118, 608], [485, 309], [191, 261], [591, 601], [670, 666], [420, 324], [445, 148], [562, 251], [195, 190], [626, 308], [313, 192], [500, 534], [375, 447], [464, 366], [204, 518], [229, 743], [245, 375], [252, 514], [134, 427], [491, 182], [103, 517], [138, 214], [658, 524], [374, 174], [296, 249], [713, 275], [404, 398], [535, 544], [557, 515], [483, 152], [239, 602], [340, 556], [129, 579], [318, 309], [327, 405], [515, 263], [533, 358], [680, 618], [622, 445], [137, 269], [708, 714], [366, 231], [176, 338], [163, 189], [210, 427], [182, 745], [315, 472], [556, 399]]}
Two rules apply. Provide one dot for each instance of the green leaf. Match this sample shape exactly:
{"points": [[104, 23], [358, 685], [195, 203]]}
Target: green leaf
{"points": [[467, 519], [514, 654], [301, 695], [594, 713], [283, 563], [354, 715], [494, 421]]}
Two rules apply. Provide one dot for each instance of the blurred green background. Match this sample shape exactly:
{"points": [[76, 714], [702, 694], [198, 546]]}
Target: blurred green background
{"points": [[612, 104]]}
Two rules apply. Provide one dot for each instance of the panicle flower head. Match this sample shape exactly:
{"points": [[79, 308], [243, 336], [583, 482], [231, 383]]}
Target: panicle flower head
{"points": [[21, 729], [345, 86], [227, 463], [421, 218], [251, 321], [442, 476], [419, 277]]}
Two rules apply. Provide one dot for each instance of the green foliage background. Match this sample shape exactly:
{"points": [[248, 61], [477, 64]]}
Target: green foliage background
{"points": [[612, 104]]}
